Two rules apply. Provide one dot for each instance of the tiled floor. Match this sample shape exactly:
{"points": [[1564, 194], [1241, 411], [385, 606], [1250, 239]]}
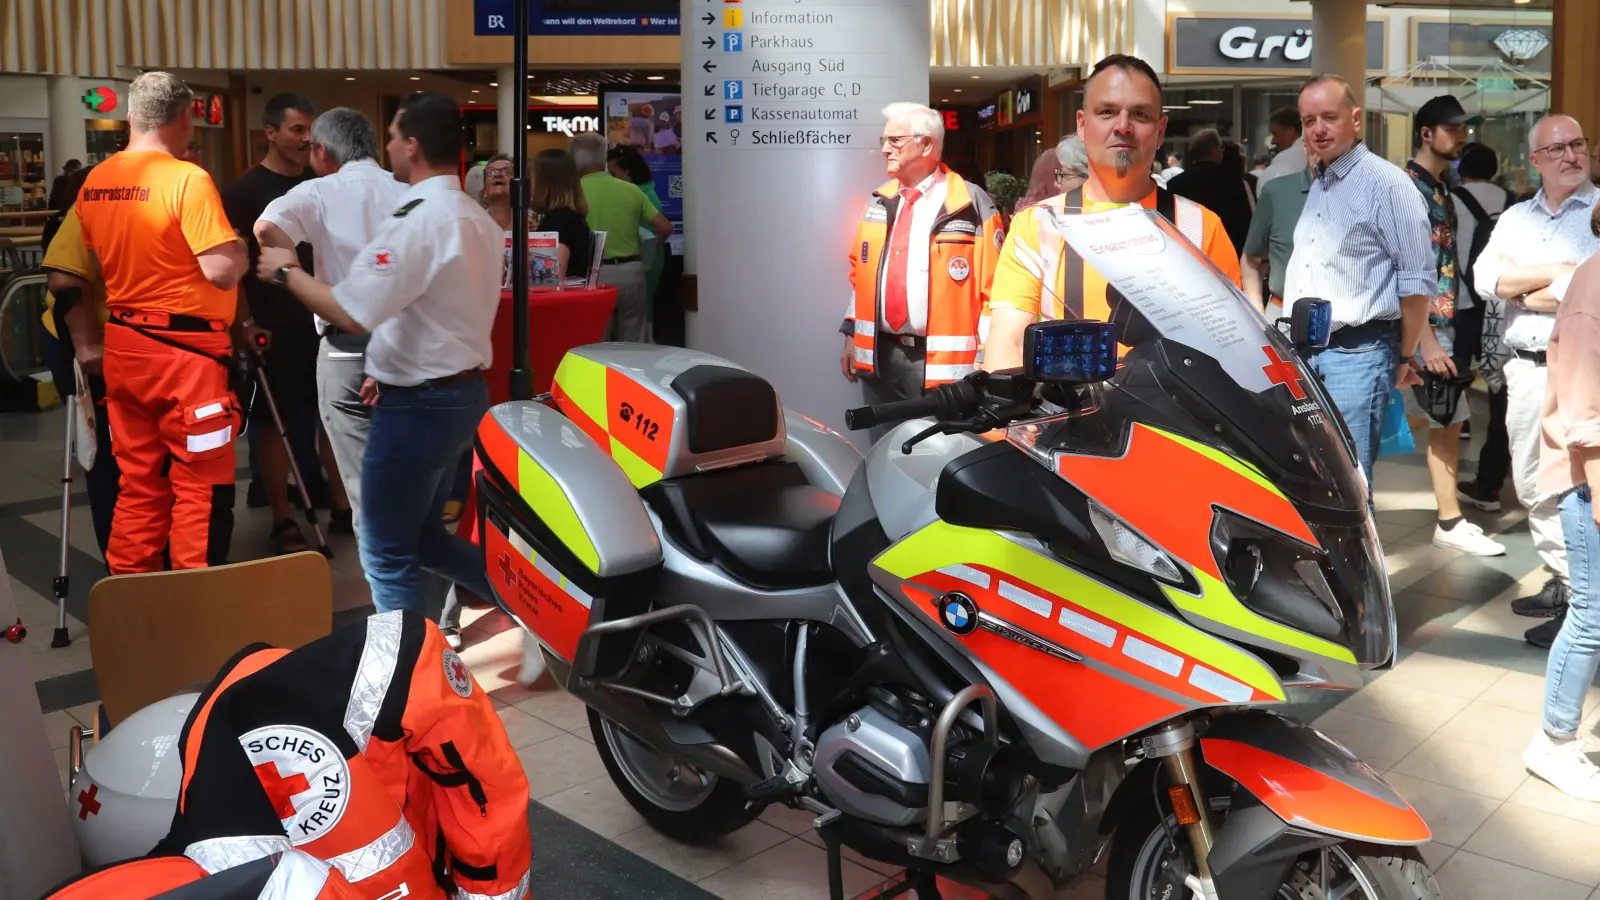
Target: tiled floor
{"points": [[1446, 725]]}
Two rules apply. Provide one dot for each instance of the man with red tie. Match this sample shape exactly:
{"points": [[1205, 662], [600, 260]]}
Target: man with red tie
{"points": [[920, 266]]}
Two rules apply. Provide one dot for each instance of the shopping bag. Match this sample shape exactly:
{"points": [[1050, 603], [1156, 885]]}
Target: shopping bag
{"points": [[1396, 438], [84, 409]]}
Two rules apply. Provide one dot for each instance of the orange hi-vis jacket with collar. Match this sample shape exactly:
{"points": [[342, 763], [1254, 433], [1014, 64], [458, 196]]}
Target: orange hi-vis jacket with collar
{"points": [[373, 749], [291, 875], [963, 250]]}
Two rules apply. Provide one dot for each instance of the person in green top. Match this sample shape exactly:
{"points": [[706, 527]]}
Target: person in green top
{"points": [[628, 164], [619, 209], [1271, 235]]}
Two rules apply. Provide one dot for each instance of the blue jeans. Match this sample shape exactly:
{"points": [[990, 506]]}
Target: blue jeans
{"points": [[418, 436], [1575, 655], [1358, 378]]}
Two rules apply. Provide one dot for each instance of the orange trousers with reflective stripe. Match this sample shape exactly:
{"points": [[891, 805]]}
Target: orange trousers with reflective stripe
{"points": [[173, 425]]}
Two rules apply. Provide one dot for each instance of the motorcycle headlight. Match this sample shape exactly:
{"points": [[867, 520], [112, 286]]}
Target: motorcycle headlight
{"points": [[1276, 576]]}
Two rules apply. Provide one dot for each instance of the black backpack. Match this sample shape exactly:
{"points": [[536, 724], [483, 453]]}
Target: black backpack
{"points": [[1485, 227]]}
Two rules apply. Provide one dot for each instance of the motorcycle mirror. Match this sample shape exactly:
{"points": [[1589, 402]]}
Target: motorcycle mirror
{"points": [[1071, 352], [1311, 324]]}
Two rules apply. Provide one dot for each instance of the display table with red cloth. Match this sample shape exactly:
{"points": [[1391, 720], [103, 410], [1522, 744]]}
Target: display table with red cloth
{"points": [[557, 322]]}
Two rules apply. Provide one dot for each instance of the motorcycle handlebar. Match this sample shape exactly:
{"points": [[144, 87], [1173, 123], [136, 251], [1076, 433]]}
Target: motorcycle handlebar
{"points": [[894, 411], [953, 402]]}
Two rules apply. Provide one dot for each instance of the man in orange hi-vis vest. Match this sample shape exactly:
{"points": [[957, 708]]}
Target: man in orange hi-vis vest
{"points": [[920, 265], [171, 263], [1037, 276]]}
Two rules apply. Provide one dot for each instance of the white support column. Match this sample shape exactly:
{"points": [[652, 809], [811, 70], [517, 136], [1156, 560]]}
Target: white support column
{"points": [[505, 100], [1340, 44], [780, 157], [67, 138]]}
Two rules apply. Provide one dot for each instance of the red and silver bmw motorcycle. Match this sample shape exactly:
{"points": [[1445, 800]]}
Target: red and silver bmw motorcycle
{"points": [[1049, 620]]}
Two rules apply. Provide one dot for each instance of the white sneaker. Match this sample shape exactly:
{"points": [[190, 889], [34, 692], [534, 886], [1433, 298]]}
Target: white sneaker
{"points": [[1565, 765], [1468, 538], [532, 661]]}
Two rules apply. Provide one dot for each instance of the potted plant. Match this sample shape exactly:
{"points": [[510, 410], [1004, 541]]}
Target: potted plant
{"points": [[1005, 190]]}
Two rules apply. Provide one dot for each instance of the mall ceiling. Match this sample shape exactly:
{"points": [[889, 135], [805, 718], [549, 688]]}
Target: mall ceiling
{"points": [[1511, 5]]}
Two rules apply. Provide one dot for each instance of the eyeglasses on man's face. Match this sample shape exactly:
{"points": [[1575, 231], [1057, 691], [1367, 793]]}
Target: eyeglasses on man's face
{"points": [[896, 141], [497, 171], [1577, 147]]}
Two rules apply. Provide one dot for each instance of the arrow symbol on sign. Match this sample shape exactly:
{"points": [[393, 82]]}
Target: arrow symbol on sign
{"points": [[708, 65], [711, 114], [708, 18], [711, 137], [709, 91], [709, 42]]}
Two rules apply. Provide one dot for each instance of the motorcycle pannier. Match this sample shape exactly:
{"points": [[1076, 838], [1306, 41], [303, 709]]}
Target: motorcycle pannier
{"points": [[562, 529]]}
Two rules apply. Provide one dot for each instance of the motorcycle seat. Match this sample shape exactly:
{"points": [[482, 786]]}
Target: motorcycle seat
{"points": [[762, 524]]}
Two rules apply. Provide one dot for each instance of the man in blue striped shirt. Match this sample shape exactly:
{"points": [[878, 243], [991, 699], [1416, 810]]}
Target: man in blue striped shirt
{"points": [[1364, 244]]}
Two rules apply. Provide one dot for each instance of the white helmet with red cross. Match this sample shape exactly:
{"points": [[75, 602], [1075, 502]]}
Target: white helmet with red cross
{"points": [[123, 798]]}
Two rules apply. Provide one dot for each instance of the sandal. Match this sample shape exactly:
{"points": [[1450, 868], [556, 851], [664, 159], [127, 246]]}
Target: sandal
{"points": [[287, 538]]}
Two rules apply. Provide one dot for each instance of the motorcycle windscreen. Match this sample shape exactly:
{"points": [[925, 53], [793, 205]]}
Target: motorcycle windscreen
{"points": [[1212, 409]]}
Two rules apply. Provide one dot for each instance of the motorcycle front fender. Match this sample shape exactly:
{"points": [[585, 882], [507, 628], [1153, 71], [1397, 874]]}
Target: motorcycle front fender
{"points": [[1309, 781]]}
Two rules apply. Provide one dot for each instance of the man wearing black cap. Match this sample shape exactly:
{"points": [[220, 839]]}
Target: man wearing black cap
{"points": [[1440, 400]]}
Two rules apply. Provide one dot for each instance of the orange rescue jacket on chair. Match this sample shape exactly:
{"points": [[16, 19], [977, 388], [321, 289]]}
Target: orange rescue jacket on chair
{"points": [[964, 247], [373, 749]]}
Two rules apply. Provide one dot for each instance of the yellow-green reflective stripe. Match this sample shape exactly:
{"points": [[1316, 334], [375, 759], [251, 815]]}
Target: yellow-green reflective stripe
{"points": [[942, 544], [584, 380], [1218, 604], [550, 503], [638, 471]]}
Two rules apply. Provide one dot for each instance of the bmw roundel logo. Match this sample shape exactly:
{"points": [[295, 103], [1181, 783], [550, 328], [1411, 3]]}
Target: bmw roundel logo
{"points": [[958, 613]]}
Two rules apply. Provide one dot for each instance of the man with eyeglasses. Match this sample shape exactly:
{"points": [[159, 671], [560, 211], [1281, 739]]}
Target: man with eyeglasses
{"points": [[1526, 267], [920, 266]]}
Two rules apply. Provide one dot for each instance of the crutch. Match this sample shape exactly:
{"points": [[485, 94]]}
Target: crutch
{"points": [[283, 434], [61, 585]]}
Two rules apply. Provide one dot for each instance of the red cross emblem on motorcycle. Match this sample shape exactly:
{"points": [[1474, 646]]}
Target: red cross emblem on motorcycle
{"points": [[1281, 371], [505, 569]]}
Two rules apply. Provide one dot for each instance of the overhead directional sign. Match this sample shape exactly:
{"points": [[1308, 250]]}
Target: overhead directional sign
{"points": [[814, 74], [628, 17]]}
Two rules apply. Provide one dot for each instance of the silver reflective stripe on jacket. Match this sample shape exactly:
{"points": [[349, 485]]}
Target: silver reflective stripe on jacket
{"points": [[217, 854], [365, 862], [516, 893], [298, 876], [1191, 221], [373, 677]]}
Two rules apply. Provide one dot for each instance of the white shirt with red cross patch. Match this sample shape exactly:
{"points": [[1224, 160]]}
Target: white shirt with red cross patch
{"points": [[427, 286]]}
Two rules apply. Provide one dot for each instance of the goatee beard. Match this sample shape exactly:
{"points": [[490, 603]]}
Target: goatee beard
{"points": [[1124, 163]]}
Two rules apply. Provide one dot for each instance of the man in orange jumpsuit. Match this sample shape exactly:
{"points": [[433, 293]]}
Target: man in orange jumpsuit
{"points": [[171, 262]]}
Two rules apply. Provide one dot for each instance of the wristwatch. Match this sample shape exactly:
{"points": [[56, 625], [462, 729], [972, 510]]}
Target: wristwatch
{"points": [[280, 275]]}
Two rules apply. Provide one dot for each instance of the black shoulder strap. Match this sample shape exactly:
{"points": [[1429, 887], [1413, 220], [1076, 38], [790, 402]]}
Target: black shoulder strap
{"points": [[1473, 206], [1072, 282]]}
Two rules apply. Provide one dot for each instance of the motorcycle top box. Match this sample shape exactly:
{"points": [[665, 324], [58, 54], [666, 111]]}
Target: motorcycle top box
{"points": [[1050, 619]]}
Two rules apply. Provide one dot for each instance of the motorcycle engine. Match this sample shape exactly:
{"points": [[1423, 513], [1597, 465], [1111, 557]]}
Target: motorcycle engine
{"points": [[875, 764]]}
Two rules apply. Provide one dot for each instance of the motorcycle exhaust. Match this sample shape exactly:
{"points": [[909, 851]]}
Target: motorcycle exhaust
{"points": [[634, 717]]}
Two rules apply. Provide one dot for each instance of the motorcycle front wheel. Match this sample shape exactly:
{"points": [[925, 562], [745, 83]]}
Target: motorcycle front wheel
{"points": [[679, 800], [1149, 860]]}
